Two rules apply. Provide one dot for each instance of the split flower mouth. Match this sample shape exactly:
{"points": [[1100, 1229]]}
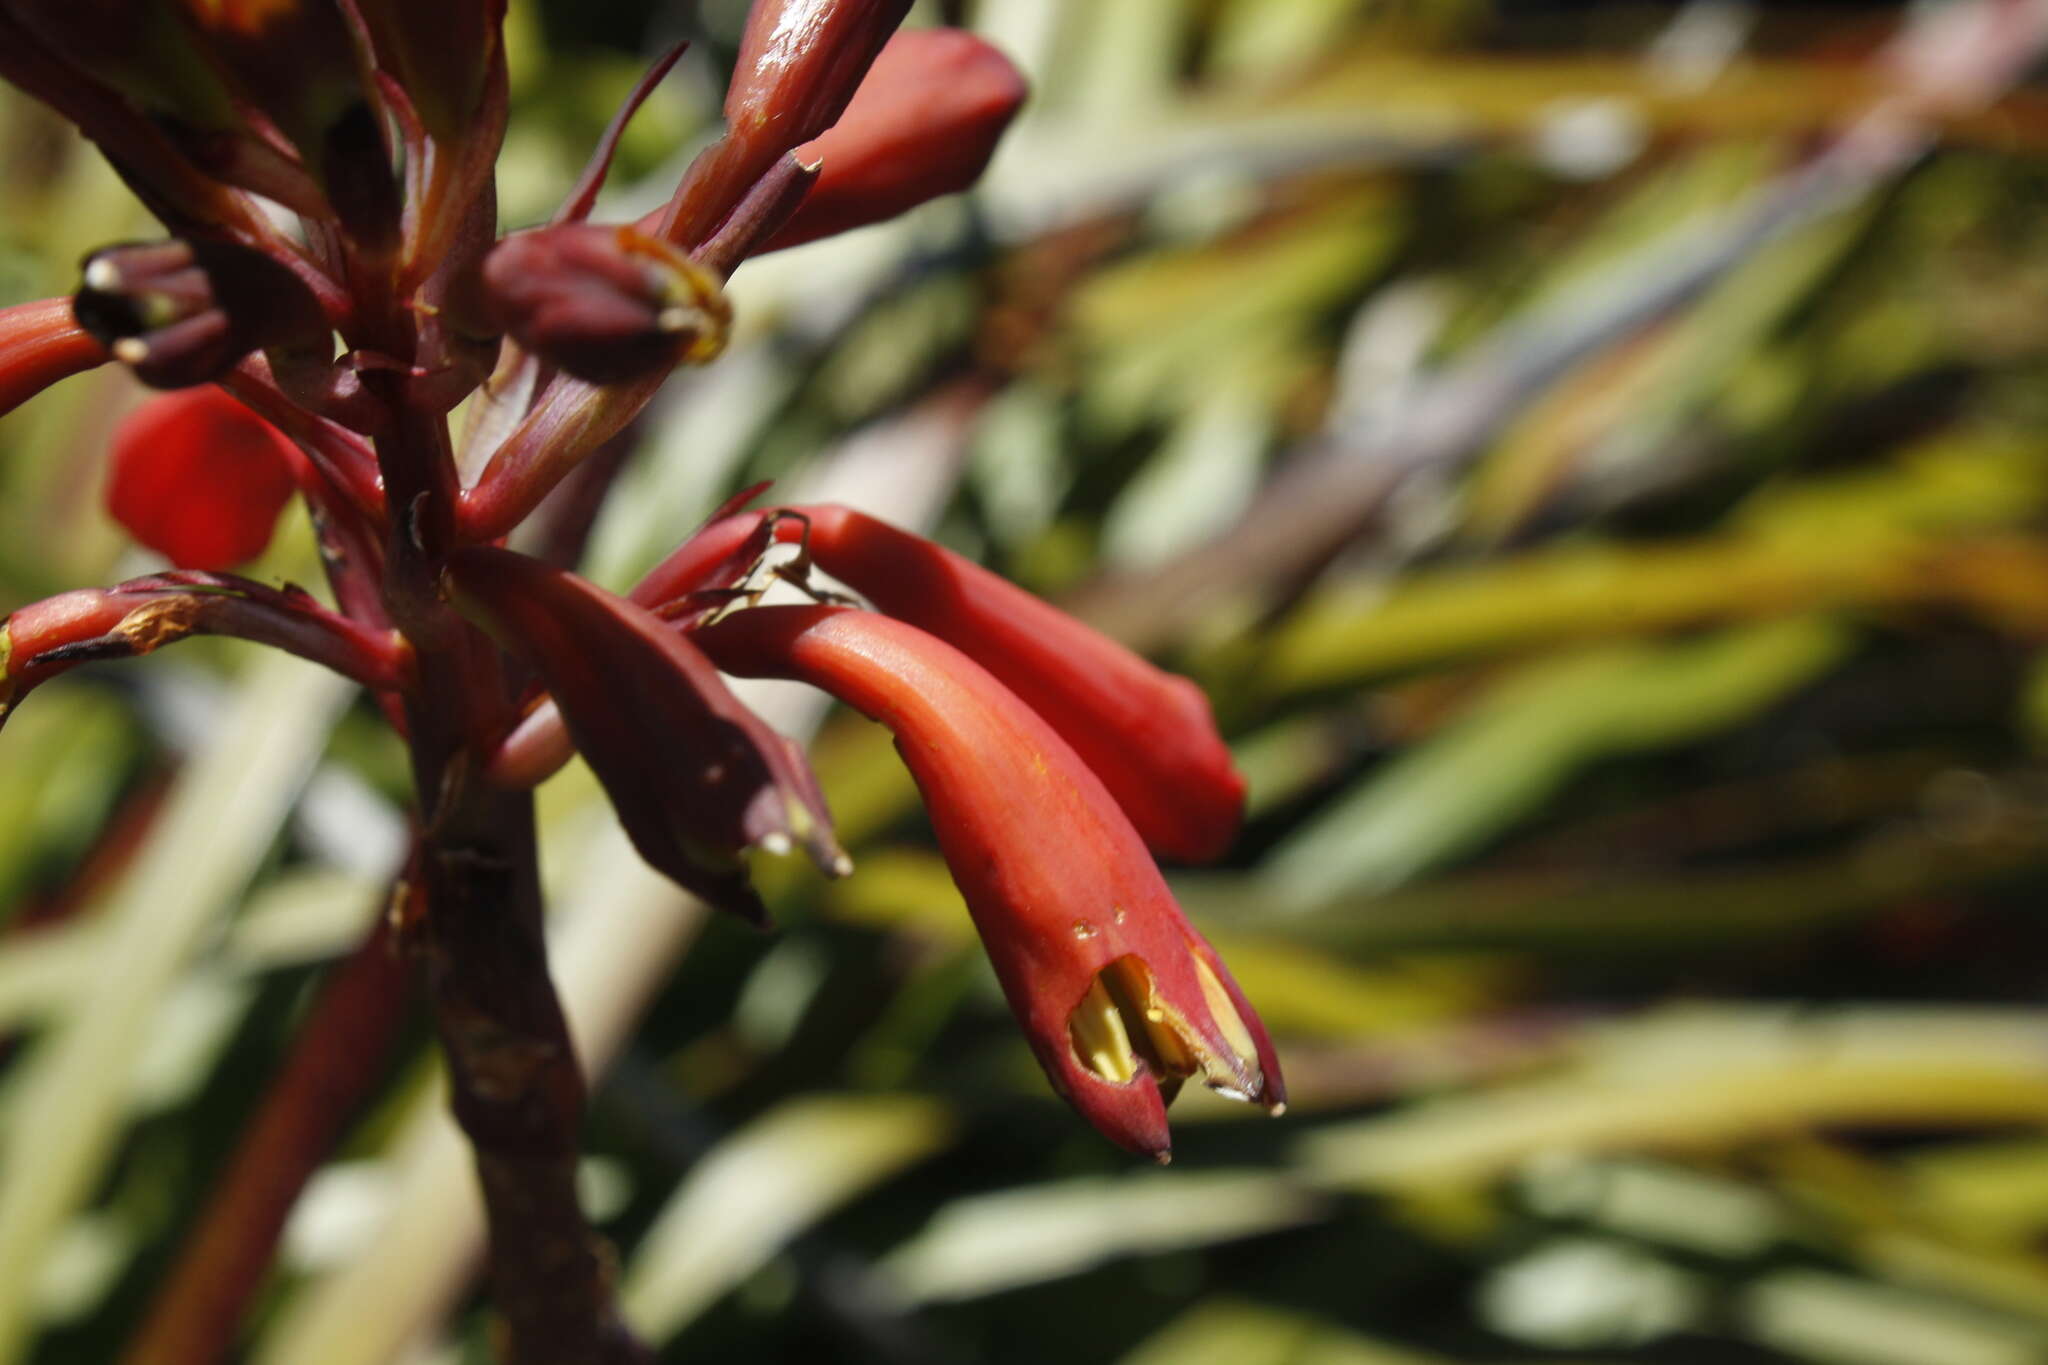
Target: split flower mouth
{"points": [[1123, 1029]]}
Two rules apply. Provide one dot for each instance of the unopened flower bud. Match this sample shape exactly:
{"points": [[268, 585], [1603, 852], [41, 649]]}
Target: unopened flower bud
{"points": [[606, 304], [799, 63], [924, 123], [695, 776], [181, 313]]}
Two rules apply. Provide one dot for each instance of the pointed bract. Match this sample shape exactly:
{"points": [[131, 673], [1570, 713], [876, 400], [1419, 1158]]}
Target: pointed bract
{"points": [[695, 776], [1119, 996], [441, 53]]}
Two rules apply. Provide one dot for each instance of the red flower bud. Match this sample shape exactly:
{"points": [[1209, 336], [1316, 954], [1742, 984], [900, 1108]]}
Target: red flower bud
{"points": [[924, 123], [694, 775], [1119, 996], [607, 304], [40, 343], [799, 63], [199, 478], [1146, 733]]}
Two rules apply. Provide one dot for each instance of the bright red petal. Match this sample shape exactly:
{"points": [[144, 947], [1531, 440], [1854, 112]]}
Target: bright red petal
{"points": [[199, 478]]}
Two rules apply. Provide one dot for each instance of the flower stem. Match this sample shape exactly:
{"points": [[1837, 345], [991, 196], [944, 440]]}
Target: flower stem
{"points": [[516, 1088], [477, 935]]}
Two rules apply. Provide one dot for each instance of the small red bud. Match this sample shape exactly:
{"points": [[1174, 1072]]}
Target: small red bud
{"points": [[924, 123], [606, 304], [199, 478]]}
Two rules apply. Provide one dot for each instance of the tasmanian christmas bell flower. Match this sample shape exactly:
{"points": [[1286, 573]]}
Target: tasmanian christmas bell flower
{"points": [[1120, 998]]}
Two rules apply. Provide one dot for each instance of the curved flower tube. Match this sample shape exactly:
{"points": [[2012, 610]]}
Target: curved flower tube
{"points": [[46, 638], [1146, 733], [1120, 997], [41, 343]]}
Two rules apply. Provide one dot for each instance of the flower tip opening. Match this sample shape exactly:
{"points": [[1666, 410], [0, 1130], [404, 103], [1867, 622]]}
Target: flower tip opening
{"points": [[1124, 1034]]}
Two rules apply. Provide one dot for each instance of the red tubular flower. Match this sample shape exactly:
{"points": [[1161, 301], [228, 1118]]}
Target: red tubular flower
{"points": [[41, 343], [1147, 734], [924, 123], [1119, 996], [696, 777], [199, 478], [800, 62]]}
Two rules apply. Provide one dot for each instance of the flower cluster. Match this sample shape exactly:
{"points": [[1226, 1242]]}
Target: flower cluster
{"points": [[318, 351]]}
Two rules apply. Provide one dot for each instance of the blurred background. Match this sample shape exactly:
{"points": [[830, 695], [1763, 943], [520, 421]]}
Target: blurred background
{"points": [[1594, 455]]}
